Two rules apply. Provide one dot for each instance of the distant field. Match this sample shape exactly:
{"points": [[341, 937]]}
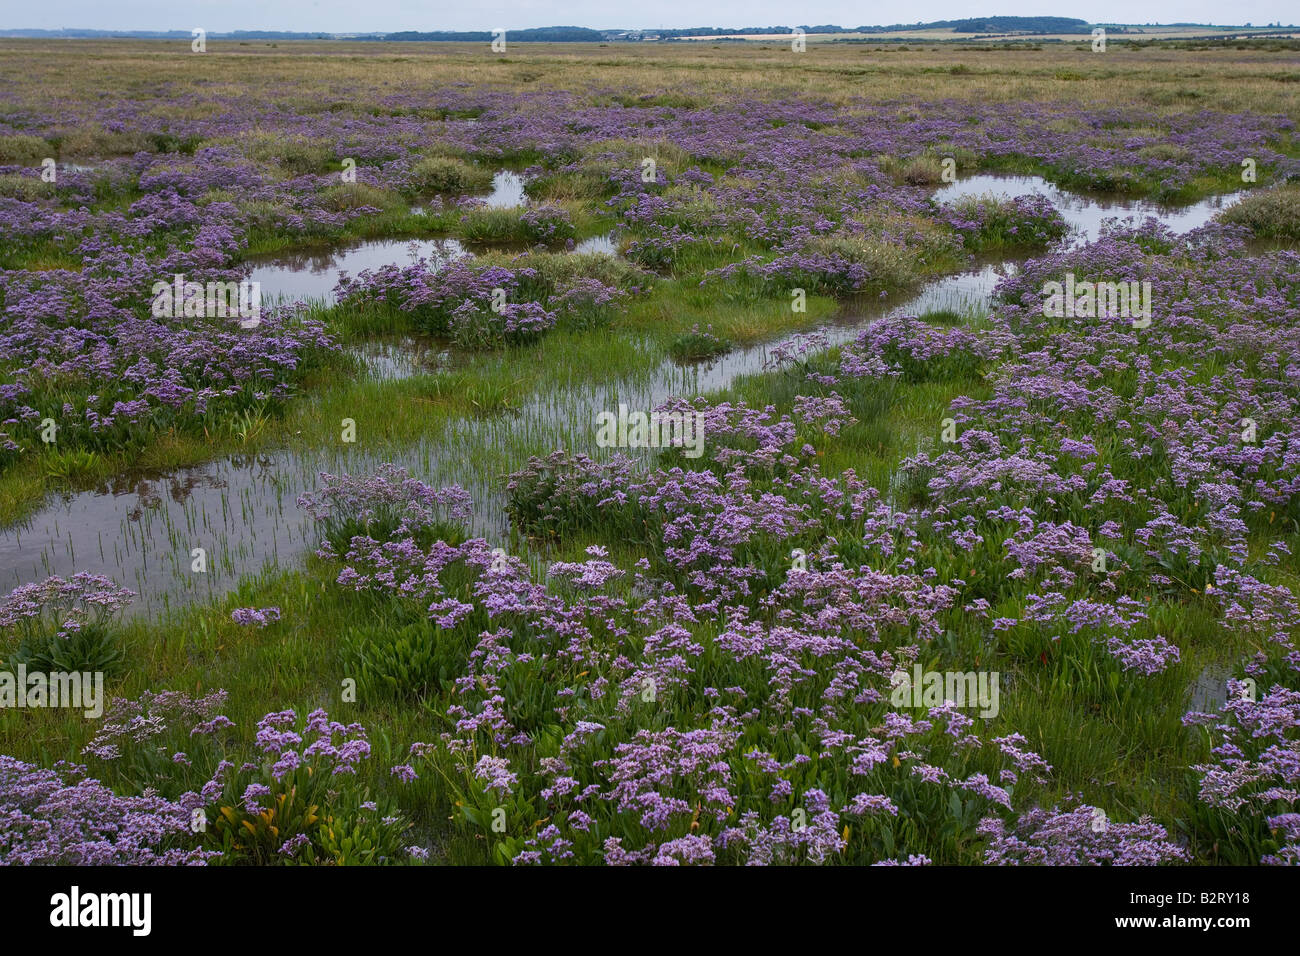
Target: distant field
{"points": [[1165, 79]]}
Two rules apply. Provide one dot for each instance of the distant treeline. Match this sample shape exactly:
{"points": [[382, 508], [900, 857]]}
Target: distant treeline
{"points": [[581, 34], [187, 35], [971, 25], [1011, 25], [535, 35], [1023, 26], [1027, 25]]}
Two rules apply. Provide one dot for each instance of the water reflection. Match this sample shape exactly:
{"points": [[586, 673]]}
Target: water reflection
{"points": [[312, 273], [1084, 213]]}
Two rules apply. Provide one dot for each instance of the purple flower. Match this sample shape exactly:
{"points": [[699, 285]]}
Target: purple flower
{"points": [[257, 617]]}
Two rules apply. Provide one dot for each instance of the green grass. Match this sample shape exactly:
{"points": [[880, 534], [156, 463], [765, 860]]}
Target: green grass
{"points": [[446, 174], [1269, 213]]}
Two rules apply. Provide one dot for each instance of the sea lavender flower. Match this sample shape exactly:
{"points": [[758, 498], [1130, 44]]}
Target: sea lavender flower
{"points": [[255, 617]]}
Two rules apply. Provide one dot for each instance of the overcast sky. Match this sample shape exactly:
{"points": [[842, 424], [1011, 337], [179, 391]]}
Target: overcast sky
{"points": [[342, 16]]}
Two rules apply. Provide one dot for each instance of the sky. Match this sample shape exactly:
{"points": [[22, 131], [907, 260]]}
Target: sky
{"points": [[351, 16]]}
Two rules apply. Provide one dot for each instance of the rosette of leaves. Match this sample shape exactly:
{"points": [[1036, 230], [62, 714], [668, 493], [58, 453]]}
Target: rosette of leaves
{"points": [[65, 624], [93, 648]]}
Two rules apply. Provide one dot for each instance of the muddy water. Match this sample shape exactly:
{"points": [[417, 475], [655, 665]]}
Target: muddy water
{"points": [[401, 356], [1084, 213], [242, 510], [606, 244], [507, 192], [314, 274]]}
